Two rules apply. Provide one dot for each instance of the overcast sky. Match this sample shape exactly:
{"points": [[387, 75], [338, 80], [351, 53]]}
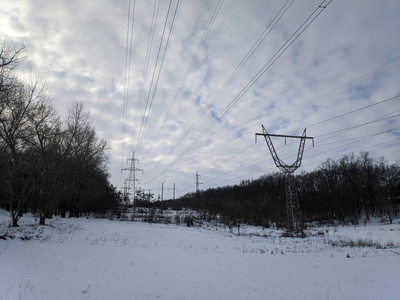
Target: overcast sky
{"points": [[191, 84]]}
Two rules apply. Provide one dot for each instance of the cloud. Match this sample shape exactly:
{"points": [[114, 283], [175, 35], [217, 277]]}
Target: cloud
{"points": [[345, 60]]}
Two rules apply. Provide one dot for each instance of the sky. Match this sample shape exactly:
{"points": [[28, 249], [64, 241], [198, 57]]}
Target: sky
{"points": [[183, 86]]}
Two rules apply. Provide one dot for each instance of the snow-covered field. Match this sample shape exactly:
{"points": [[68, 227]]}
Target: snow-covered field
{"points": [[102, 259]]}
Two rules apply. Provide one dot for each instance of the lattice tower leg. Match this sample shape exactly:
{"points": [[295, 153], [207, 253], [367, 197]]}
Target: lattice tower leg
{"points": [[292, 205]]}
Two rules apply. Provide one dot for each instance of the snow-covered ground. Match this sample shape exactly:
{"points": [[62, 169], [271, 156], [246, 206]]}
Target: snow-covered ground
{"points": [[103, 259]]}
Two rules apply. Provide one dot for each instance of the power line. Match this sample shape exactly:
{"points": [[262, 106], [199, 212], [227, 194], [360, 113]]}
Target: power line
{"points": [[311, 18], [383, 118], [272, 167], [362, 137], [391, 115], [250, 52], [129, 33], [355, 110], [358, 150], [265, 33], [142, 125], [146, 114], [146, 62], [237, 168], [388, 116], [319, 145], [339, 88], [188, 71]]}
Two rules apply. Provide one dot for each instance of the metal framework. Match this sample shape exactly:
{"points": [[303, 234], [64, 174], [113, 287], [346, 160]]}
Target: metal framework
{"points": [[197, 184], [130, 182], [292, 200]]}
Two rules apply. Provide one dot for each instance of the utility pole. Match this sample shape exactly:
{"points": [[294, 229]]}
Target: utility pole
{"points": [[173, 191], [292, 200], [130, 182], [197, 184]]}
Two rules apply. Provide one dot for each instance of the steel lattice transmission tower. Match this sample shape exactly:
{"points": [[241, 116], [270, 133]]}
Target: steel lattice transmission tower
{"points": [[130, 182], [292, 200], [197, 184]]}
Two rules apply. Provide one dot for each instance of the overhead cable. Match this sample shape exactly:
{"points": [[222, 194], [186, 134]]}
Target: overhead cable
{"points": [[188, 71], [129, 34], [151, 93], [311, 18]]}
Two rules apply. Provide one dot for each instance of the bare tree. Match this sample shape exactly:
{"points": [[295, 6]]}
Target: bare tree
{"points": [[47, 165], [18, 105], [10, 59], [85, 160], [44, 141]]}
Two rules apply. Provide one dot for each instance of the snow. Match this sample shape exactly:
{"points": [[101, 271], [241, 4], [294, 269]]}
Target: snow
{"points": [[103, 259]]}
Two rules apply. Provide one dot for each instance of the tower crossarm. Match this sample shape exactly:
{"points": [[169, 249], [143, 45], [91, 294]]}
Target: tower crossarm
{"points": [[285, 168]]}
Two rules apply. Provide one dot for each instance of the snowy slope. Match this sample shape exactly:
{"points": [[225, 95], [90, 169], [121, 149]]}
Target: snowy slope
{"points": [[102, 259]]}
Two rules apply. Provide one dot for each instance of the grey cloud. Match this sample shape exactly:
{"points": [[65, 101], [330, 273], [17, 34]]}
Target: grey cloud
{"points": [[79, 47]]}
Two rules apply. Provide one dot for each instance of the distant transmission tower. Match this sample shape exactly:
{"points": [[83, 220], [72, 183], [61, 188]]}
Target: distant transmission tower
{"points": [[292, 200], [197, 184], [130, 182]]}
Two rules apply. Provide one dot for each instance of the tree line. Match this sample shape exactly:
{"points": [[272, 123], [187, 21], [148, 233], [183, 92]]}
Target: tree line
{"points": [[48, 164], [344, 190]]}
